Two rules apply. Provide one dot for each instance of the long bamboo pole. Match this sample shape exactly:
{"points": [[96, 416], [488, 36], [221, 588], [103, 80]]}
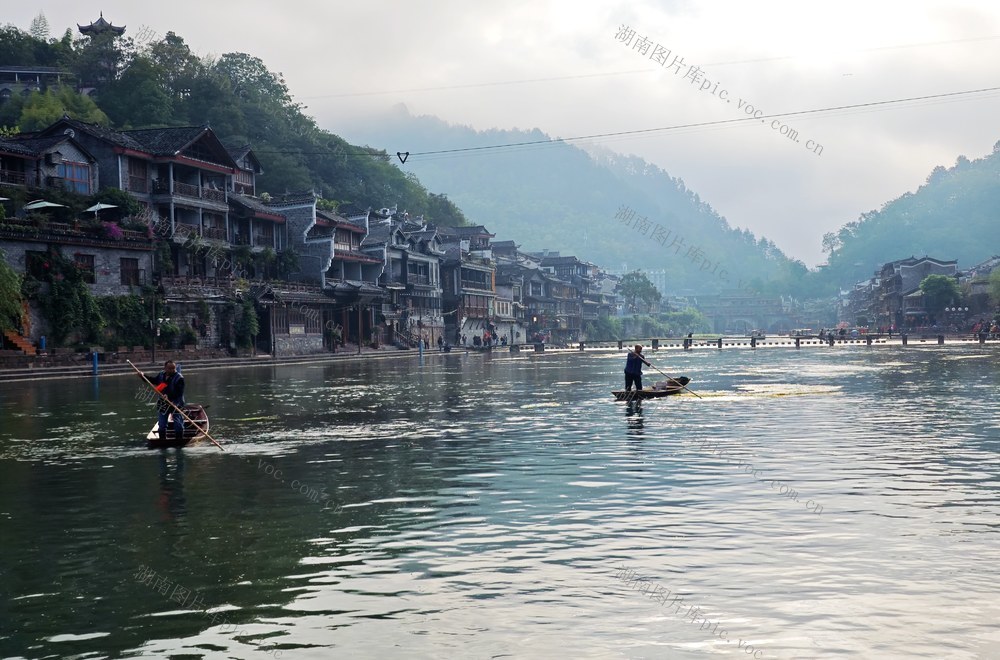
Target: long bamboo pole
{"points": [[172, 405], [669, 377]]}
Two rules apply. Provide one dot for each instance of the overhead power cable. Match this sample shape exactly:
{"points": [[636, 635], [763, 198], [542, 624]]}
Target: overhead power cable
{"points": [[676, 127]]}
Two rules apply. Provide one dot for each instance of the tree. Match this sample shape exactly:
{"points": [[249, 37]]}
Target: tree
{"points": [[10, 295], [995, 287], [179, 66], [443, 212], [39, 27], [138, 97], [42, 109], [636, 287], [939, 291]]}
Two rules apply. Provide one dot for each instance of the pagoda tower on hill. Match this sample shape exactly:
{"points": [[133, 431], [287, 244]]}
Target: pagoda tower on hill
{"points": [[100, 27]]}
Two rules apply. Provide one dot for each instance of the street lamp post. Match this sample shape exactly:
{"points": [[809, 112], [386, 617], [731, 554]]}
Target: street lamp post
{"points": [[154, 324], [153, 327]]}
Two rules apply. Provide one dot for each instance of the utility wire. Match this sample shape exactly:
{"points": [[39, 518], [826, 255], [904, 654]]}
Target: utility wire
{"points": [[676, 127], [870, 104]]}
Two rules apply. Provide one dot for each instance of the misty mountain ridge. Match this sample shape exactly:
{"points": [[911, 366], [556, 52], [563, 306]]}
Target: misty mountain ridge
{"points": [[955, 214], [562, 197]]}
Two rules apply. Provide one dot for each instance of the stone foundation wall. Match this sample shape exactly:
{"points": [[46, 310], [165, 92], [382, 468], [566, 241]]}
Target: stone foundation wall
{"points": [[299, 345]]}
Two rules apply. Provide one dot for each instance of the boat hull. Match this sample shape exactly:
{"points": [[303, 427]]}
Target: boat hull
{"points": [[192, 433], [633, 395]]}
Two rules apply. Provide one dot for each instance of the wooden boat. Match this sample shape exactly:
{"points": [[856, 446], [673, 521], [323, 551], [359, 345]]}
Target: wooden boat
{"points": [[192, 432], [673, 388]]}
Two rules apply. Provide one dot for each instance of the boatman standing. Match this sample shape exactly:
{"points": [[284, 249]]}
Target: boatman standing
{"points": [[633, 368], [170, 384]]}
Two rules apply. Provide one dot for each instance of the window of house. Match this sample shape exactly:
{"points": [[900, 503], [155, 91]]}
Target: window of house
{"points": [[309, 319], [76, 176], [85, 262], [280, 320], [313, 322], [138, 176], [130, 272]]}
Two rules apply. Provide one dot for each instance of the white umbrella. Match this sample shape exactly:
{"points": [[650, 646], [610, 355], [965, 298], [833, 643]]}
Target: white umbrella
{"points": [[41, 204], [100, 206]]}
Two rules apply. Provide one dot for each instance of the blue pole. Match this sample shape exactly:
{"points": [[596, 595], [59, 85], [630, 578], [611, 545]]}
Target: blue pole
{"points": [[93, 355], [41, 342]]}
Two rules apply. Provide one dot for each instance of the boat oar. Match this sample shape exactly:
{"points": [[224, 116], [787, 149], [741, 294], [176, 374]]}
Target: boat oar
{"points": [[670, 378], [171, 403]]}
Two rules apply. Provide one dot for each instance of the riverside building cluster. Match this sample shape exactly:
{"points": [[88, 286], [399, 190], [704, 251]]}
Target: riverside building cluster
{"points": [[319, 280]]}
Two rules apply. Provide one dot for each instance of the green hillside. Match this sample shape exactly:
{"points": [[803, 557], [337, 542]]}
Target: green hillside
{"points": [[162, 83], [954, 215], [561, 197]]}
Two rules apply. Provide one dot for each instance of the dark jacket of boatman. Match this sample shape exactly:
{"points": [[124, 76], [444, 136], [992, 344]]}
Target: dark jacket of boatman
{"points": [[633, 369], [633, 364], [171, 386]]}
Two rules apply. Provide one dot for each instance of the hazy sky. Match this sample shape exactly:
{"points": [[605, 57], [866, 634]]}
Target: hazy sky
{"points": [[345, 59]]}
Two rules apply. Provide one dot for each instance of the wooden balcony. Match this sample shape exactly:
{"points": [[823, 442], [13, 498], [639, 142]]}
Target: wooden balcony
{"points": [[214, 195], [185, 231], [189, 190], [186, 190], [478, 286], [215, 233], [13, 178]]}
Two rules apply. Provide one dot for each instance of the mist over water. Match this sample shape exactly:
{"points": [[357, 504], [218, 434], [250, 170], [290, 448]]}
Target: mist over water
{"points": [[485, 506]]}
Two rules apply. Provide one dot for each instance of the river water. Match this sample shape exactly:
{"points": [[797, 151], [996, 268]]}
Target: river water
{"points": [[828, 502]]}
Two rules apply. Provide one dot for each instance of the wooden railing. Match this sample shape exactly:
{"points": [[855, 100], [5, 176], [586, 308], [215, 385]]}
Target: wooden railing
{"points": [[214, 195], [215, 233], [185, 189], [13, 177], [185, 230]]}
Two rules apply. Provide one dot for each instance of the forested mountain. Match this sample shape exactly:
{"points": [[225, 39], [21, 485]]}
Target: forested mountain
{"points": [[162, 83], [550, 196], [954, 215], [560, 197]]}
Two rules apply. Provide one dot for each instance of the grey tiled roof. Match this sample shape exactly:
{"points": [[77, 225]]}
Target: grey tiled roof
{"points": [[19, 147], [377, 235], [117, 138], [463, 232], [167, 141], [252, 203]]}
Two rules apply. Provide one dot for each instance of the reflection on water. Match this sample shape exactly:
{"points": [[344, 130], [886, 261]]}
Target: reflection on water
{"points": [[633, 417], [171, 501], [481, 505]]}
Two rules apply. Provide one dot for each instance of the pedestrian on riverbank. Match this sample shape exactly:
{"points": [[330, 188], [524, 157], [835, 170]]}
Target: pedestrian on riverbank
{"points": [[633, 368]]}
